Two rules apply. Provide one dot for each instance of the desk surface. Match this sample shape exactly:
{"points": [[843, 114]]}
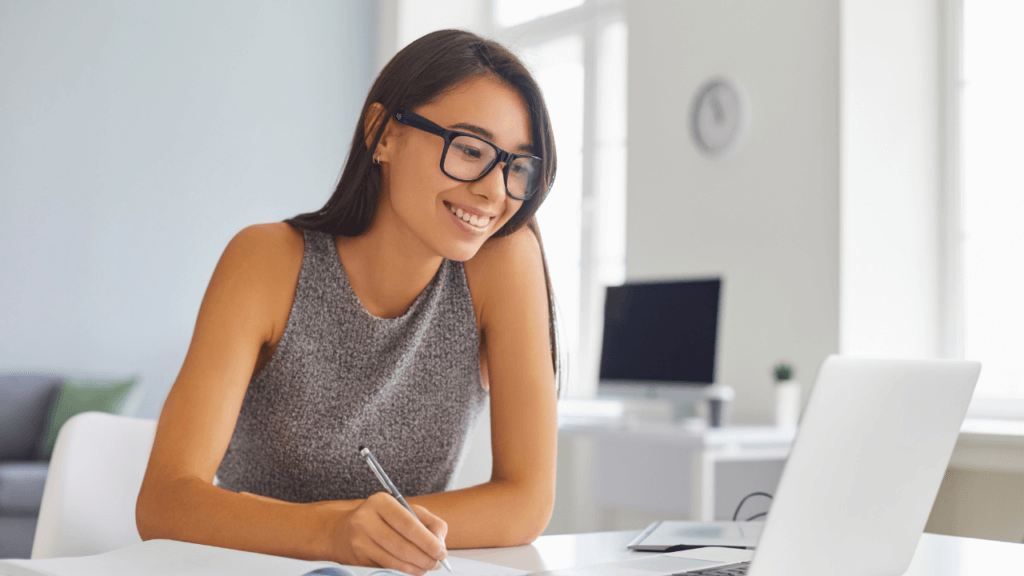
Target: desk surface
{"points": [[936, 555], [675, 433]]}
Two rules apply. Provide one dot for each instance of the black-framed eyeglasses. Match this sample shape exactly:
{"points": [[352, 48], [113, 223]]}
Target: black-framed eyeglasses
{"points": [[467, 158]]}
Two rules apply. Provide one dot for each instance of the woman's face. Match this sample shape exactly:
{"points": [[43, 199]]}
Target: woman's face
{"points": [[423, 201]]}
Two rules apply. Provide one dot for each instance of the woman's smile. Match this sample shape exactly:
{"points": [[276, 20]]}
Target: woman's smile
{"points": [[470, 219]]}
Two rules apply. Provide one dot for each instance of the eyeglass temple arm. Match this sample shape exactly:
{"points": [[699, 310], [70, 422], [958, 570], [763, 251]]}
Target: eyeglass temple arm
{"points": [[406, 117]]}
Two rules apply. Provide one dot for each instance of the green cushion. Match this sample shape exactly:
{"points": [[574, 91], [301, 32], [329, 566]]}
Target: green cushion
{"points": [[76, 396]]}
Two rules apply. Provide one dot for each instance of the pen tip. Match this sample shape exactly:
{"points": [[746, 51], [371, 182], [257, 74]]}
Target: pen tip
{"points": [[361, 447]]}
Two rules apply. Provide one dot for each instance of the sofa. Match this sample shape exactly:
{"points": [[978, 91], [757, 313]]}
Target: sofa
{"points": [[25, 402], [33, 407]]}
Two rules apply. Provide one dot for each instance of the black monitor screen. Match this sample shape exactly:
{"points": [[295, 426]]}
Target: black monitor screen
{"points": [[663, 332]]}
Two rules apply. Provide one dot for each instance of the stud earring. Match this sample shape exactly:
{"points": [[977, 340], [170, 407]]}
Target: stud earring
{"points": [[376, 159]]}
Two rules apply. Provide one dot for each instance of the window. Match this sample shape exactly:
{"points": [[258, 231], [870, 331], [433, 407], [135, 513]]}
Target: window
{"points": [[577, 51], [987, 241], [579, 58], [508, 13]]}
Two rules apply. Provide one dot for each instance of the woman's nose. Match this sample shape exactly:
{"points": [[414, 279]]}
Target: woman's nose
{"points": [[492, 185]]}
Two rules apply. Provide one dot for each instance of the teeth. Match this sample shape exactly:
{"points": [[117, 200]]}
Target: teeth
{"points": [[471, 219]]}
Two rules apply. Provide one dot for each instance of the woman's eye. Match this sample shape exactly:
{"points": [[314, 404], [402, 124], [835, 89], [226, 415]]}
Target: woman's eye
{"points": [[523, 170], [468, 151]]}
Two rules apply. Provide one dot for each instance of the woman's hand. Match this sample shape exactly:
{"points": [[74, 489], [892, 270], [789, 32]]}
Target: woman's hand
{"points": [[381, 532]]}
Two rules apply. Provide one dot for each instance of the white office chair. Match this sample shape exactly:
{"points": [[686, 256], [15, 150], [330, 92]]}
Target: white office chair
{"points": [[94, 479]]}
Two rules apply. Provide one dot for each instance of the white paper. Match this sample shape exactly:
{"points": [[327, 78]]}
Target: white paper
{"points": [[172, 558], [167, 558], [467, 567]]}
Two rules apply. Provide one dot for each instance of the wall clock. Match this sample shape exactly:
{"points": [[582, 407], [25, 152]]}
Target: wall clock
{"points": [[718, 118]]}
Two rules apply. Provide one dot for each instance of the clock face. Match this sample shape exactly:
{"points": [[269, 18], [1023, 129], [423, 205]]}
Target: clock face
{"points": [[718, 119]]}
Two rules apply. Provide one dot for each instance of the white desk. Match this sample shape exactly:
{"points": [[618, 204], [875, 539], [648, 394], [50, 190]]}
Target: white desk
{"points": [[990, 445], [676, 471], [936, 555]]}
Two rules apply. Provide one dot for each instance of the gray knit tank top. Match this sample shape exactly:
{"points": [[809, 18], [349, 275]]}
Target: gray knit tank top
{"points": [[408, 388]]}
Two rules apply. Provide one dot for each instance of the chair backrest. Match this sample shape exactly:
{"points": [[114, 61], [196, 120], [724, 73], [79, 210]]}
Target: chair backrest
{"points": [[94, 479]]}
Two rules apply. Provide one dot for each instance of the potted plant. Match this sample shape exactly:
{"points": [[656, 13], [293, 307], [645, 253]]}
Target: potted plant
{"points": [[787, 396]]}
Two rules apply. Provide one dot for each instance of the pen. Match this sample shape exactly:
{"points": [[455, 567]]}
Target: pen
{"points": [[383, 477]]}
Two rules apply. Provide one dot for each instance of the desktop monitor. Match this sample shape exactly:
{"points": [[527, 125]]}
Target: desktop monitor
{"points": [[660, 333]]}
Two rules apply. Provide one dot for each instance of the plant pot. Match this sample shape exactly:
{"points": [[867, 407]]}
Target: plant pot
{"points": [[787, 403]]}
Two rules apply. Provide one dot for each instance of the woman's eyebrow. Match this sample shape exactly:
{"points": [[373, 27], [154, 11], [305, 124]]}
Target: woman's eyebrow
{"points": [[487, 134]]}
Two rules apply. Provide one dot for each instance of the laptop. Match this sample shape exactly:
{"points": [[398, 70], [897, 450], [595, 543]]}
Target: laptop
{"points": [[860, 480]]}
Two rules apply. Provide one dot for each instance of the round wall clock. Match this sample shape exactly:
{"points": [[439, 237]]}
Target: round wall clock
{"points": [[718, 118]]}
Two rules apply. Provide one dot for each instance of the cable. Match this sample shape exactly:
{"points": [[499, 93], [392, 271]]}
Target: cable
{"points": [[745, 498], [756, 516]]}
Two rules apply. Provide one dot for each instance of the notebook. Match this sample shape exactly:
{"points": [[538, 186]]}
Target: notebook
{"points": [[170, 557]]}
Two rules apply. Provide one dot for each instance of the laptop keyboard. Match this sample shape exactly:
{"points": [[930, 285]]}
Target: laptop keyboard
{"points": [[730, 570]]}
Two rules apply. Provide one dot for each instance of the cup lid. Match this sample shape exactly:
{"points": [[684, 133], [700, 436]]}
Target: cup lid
{"points": [[719, 392]]}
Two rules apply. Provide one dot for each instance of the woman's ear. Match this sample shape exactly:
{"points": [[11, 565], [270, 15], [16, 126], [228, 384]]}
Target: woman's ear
{"points": [[374, 118]]}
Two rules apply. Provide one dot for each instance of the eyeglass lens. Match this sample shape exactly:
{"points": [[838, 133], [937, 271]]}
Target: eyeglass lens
{"points": [[468, 158]]}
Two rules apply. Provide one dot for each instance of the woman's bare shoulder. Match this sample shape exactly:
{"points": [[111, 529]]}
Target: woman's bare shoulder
{"points": [[519, 244], [274, 243], [268, 253], [260, 266], [505, 266]]}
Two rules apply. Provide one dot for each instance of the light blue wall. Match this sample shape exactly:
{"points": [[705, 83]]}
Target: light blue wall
{"points": [[136, 138]]}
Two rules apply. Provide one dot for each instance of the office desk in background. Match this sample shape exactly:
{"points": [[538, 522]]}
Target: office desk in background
{"points": [[666, 469], [935, 556]]}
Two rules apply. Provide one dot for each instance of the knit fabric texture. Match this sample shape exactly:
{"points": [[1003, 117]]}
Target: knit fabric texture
{"points": [[408, 388]]}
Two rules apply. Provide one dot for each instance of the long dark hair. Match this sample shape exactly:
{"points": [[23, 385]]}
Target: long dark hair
{"points": [[420, 73]]}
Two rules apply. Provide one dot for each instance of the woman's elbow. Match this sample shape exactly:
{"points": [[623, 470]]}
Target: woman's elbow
{"points": [[532, 518], [528, 532], [146, 515], [151, 508], [143, 522]]}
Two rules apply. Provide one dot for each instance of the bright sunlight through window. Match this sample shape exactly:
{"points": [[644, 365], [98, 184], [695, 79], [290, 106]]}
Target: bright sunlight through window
{"points": [[993, 194]]}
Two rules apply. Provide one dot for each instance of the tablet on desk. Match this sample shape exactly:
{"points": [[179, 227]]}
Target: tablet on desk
{"points": [[671, 535]]}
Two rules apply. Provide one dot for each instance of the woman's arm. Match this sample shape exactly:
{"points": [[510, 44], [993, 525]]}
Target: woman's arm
{"points": [[245, 308], [506, 279]]}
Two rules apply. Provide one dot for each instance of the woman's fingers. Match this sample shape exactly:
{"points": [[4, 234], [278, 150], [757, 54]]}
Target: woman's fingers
{"points": [[379, 556], [397, 546], [412, 541], [380, 531], [371, 541], [434, 524]]}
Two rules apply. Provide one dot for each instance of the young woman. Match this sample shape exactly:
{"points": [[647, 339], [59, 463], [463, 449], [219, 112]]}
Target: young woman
{"points": [[384, 319]]}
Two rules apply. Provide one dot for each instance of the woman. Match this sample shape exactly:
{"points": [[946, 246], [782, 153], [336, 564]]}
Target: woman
{"points": [[383, 319]]}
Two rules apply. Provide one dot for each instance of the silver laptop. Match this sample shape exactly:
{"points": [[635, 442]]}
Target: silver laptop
{"points": [[860, 480]]}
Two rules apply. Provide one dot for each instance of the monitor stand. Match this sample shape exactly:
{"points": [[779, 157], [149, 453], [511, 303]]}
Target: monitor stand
{"points": [[672, 402]]}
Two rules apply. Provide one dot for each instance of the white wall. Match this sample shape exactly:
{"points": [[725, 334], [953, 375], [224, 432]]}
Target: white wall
{"points": [[135, 139], [890, 178], [767, 218]]}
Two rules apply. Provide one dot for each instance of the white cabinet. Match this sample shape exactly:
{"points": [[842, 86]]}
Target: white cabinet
{"points": [[624, 476]]}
